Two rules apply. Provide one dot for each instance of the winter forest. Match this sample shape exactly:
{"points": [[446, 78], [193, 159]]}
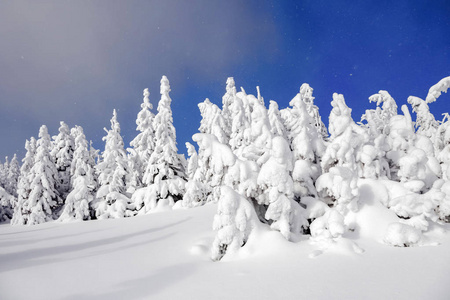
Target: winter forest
{"points": [[263, 166]]}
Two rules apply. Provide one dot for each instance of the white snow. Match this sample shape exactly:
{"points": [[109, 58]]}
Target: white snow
{"points": [[166, 255]]}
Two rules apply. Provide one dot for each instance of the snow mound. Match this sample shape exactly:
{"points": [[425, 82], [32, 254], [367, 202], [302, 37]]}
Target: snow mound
{"points": [[402, 235]]}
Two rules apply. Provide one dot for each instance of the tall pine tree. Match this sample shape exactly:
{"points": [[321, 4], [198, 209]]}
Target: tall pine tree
{"points": [[112, 173], [165, 169]]}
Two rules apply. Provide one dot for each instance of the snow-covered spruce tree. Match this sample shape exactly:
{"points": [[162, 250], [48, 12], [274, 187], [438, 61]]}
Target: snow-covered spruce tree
{"points": [[214, 161], [233, 222], [196, 190], [6, 210], [144, 143], [337, 186], [164, 175], [441, 139], [240, 123], [43, 203], [410, 152], [425, 123], [83, 181], [24, 183], [443, 146], [260, 135], [8, 193], [227, 103], [276, 182], [378, 119], [134, 175], [346, 137], [62, 155], [373, 154], [13, 176], [93, 154], [212, 121], [306, 143], [276, 122], [433, 94], [4, 167], [307, 97], [112, 170]]}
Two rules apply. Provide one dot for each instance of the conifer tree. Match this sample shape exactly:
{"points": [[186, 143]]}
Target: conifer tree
{"points": [[112, 173], [313, 111], [4, 168], [144, 143], [260, 135], [13, 176], [337, 186], [276, 182], [24, 183], [305, 141], [426, 124], [62, 155], [373, 154], [196, 190], [227, 103], [6, 211], [276, 122], [83, 181], [43, 201], [240, 124], [165, 169], [212, 121]]}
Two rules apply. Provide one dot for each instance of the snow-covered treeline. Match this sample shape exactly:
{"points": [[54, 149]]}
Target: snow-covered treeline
{"points": [[64, 178], [265, 166]]}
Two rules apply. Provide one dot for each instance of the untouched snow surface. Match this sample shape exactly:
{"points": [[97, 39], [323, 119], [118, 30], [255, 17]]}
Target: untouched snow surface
{"points": [[166, 255]]}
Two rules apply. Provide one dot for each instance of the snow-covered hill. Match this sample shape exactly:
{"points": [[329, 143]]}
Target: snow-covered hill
{"points": [[166, 255]]}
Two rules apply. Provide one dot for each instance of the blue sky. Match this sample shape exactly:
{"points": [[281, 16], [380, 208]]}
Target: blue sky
{"points": [[75, 61]]}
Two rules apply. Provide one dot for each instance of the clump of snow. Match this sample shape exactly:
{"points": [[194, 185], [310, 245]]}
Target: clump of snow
{"points": [[402, 235]]}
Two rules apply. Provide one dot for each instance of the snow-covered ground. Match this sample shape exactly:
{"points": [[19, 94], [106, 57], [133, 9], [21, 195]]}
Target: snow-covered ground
{"points": [[166, 255]]}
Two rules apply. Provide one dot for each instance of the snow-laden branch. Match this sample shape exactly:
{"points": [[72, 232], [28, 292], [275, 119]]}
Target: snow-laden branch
{"points": [[436, 90]]}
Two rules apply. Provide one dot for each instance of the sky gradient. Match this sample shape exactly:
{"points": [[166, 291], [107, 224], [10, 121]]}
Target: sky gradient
{"points": [[75, 61]]}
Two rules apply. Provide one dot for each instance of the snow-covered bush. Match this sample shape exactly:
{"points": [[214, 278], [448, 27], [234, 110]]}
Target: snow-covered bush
{"points": [[328, 226], [233, 222], [338, 188], [402, 235]]}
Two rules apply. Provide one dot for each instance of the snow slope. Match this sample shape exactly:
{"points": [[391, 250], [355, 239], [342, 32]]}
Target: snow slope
{"points": [[166, 255]]}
